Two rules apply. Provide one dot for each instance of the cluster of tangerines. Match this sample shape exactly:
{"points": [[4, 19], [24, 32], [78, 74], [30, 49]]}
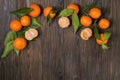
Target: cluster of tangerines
{"points": [[17, 25], [102, 23], [92, 16], [23, 28]]}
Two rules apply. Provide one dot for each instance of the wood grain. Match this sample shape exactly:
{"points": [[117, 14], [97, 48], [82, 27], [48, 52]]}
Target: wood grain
{"points": [[60, 54]]}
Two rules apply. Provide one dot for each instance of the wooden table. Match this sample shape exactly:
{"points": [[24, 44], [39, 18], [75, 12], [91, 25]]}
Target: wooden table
{"points": [[60, 54]]}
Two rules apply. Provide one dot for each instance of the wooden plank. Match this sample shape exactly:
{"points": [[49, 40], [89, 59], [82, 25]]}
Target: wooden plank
{"points": [[77, 51], [31, 58], [52, 49], [6, 66]]}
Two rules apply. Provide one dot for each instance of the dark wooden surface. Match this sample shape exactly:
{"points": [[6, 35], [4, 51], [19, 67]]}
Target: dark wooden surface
{"points": [[60, 54]]}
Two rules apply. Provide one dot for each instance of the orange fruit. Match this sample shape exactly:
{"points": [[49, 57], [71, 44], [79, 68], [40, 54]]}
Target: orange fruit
{"points": [[86, 21], [104, 23], [25, 20], [86, 33], [95, 13], [19, 43], [15, 25], [36, 10], [48, 11], [74, 7], [101, 41]]}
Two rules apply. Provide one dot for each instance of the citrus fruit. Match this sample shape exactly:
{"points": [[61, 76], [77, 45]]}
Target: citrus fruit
{"points": [[31, 34], [25, 20], [15, 25], [86, 21], [74, 7], [104, 23], [19, 43], [86, 33], [95, 13], [101, 40], [48, 11], [64, 22], [36, 10]]}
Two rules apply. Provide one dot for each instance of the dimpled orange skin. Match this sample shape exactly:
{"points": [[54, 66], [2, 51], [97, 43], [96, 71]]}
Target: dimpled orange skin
{"points": [[95, 13], [20, 43], [86, 21], [15, 25], [36, 10], [25, 20], [74, 7], [104, 23], [101, 41], [47, 11]]}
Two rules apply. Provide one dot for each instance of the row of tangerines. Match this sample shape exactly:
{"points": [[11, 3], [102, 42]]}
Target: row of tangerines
{"points": [[34, 10]]}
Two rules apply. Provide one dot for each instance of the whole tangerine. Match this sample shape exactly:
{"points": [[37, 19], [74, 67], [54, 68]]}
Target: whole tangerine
{"points": [[36, 10], [74, 7], [104, 23], [95, 13], [19, 43], [15, 25], [25, 20], [86, 21]]}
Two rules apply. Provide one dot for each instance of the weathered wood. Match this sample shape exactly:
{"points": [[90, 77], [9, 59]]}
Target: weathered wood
{"points": [[59, 54]]}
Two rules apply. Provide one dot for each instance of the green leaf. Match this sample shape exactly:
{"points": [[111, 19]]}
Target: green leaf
{"points": [[95, 22], [66, 12], [17, 51], [8, 48], [105, 47], [22, 32], [11, 35], [75, 22], [49, 19], [21, 12], [53, 11], [96, 33], [88, 7], [35, 23], [107, 35]]}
